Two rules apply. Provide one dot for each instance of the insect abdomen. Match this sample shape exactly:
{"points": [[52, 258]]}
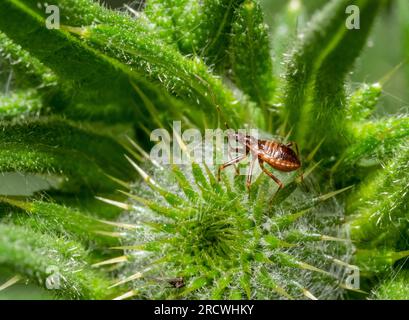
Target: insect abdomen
{"points": [[279, 156]]}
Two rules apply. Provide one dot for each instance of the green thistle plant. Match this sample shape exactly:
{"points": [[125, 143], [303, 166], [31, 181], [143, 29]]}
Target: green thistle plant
{"points": [[71, 95], [222, 242], [393, 288]]}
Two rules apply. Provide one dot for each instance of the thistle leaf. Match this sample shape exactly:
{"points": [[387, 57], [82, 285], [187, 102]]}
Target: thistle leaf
{"points": [[251, 62], [55, 147], [394, 287], [41, 216], [31, 254], [314, 98], [197, 27], [379, 208]]}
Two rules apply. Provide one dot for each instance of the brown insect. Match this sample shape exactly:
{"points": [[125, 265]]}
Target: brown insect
{"points": [[278, 155], [177, 282]]}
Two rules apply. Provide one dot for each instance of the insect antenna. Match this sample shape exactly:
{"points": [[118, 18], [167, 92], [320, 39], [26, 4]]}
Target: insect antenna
{"points": [[219, 118]]}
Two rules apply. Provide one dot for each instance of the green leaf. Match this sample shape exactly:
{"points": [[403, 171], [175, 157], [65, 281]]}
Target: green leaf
{"points": [[394, 287], [189, 80], [314, 97], [80, 66], [377, 261], [27, 70], [379, 208], [372, 142], [55, 147], [32, 255], [363, 102], [20, 104], [73, 224], [197, 27], [251, 61]]}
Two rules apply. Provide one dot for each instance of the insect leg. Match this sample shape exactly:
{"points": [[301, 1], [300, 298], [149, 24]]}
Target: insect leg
{"points": [[237, 151], [276, 180], [250, 174], [229, 163]]}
